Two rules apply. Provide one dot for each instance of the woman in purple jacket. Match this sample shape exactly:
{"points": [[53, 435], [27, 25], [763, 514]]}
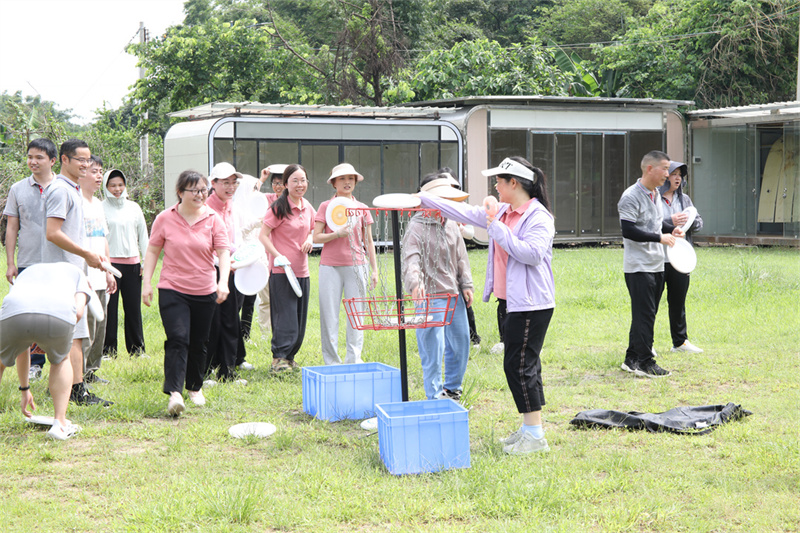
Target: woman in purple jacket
{"points": [[520, 275]]}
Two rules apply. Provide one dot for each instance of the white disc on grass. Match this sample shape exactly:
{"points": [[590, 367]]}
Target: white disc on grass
{"points": [[251, 279], [257, 429], [370, 424], [397, 200], [336, 212], [42, 420], [682, 256]]}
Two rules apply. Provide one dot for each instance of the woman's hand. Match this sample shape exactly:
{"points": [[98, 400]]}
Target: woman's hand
{"points": [[27, 401], [147, 294], [222, 292], [308, 245]]}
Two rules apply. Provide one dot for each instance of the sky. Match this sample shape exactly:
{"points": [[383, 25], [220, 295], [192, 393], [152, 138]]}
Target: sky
{"points": [[72, 52]]}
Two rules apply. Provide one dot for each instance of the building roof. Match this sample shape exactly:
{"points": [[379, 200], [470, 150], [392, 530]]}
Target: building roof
{"points": [[761, 110], [227, 109], [539, 100]]}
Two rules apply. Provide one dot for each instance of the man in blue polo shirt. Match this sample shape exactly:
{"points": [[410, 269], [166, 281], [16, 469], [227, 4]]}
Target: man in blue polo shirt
{"points": [[643, 261]]}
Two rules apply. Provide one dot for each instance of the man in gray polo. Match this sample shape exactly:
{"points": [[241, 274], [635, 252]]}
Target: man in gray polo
{"points": [[643, 261]]}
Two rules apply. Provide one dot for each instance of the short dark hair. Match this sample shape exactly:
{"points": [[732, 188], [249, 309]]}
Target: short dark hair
{"points": [[97, 161], [188, 178], [652, 158], [45, 145], [68, 148]]}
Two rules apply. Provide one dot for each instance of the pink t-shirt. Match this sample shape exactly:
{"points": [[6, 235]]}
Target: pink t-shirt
{"points": [[289, 233], [345, 251], [511, 219], [188, 264], [225, 210]]}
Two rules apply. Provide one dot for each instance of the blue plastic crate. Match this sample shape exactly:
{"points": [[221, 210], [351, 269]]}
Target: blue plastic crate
{"points": [[427, 436], [337, 392]]}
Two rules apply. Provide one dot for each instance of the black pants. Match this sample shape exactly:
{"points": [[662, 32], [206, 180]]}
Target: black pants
{"points": [[223, 341], [187, 321], [288, 315], [474, 338], [523, 337], [245, 323], [129, 286], [677, 284], [645, 290]]}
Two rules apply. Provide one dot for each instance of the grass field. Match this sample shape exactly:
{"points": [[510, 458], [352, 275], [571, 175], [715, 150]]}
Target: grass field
{"points": [[133, 468]]}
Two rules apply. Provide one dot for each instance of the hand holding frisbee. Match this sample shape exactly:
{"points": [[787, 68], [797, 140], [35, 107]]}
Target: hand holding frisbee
{"points": [[490, 205], [690, 212], [108, 268]]}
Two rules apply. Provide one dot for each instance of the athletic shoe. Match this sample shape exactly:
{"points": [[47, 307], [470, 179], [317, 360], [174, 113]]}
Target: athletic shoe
{"points": [[651, 370], [686, 347], [451, 394], [91, 377], [246, 366], [280, 365], [292, 363], [175, 405], [81, 396], [511, 439], [498, 348], [526, 444], [34, 373], [92, 399], [197, 397], [59, 432], [629, 366]]}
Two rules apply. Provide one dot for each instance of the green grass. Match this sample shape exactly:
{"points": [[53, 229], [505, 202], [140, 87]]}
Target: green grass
{"points": [[135, 469]]}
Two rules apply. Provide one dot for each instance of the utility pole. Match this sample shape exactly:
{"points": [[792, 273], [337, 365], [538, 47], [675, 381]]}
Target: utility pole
{"points": [[144, 141], [798, 61]]}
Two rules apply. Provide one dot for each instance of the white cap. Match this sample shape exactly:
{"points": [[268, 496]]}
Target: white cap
{"points": [[222, 171], [509, 166], [344, 169]]}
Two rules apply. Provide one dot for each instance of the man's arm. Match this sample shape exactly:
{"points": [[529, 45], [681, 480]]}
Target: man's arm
{"points": [[12, 231], [62, 240]]}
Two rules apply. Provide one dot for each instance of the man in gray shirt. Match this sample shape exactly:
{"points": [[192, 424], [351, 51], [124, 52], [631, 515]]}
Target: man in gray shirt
{"points": [[64, 233], [643, 261]]}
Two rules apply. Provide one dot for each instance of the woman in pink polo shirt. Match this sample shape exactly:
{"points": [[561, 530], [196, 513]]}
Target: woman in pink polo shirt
{"points": [[343, 267], [286, 234], [189, 233]]}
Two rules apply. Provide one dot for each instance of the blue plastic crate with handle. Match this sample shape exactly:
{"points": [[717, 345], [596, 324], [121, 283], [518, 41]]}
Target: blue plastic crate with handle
{"points": [[427, 436], [338, 392]]}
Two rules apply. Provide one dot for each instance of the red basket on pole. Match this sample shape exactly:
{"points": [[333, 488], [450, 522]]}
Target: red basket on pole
{"points": [[375, 314]]}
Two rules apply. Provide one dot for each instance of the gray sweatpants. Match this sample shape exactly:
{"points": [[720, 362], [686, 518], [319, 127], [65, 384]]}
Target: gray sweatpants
{"points": [[333, 281], [93, 346]]}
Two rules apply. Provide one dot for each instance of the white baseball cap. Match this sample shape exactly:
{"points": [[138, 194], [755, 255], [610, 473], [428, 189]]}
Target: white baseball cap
{"points": [[509, 166], [222, 171]]}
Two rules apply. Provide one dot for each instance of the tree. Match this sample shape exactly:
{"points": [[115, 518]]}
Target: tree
{"points": [[716, 53], [483, 67]]}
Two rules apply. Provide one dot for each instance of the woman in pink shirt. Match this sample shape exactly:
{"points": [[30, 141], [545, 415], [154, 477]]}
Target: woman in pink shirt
{"points": [[343, 267], [189, 233], [286, 235]]}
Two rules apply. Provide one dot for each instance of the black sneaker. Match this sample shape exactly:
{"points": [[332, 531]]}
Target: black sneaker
{"points": [[452, 394], [91, 377], [629, 366], [92, 399], [81, 396], [651, 370]]}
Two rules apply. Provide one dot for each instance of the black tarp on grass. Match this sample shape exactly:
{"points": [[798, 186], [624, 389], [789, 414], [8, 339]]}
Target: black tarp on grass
{"points": [[684, 420]]}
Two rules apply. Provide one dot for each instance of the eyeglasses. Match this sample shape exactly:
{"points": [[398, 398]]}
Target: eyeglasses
{"points": [[298, 182], [229, 184], [197, 192], [81, 160]]}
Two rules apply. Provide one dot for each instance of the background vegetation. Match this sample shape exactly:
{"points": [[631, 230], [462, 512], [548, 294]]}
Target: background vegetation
{"points": [[133, 468]]}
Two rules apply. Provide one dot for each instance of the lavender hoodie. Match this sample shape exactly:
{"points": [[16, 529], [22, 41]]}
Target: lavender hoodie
{"points": [[529, 274]]}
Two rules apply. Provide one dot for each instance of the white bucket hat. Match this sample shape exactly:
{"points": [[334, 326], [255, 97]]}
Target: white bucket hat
{"points": [[443, 188], [344, 169], [509, 166], [223, 170]]}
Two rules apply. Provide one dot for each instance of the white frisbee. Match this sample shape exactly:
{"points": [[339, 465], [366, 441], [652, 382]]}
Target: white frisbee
{"points": [[96, 308], [113, 270], [396, 200], [691, 212], [251, 279], [682, 256], [257, 429], [247, 254], [336, 213], [370, 424], [257, 205], [42, 420], [293, 281]]}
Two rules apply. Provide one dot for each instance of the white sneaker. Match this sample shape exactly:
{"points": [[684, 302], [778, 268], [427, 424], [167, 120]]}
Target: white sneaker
{"points": [[526, 444], [246, 366], [197, 397], [498, 348], [511, 439], [59, 432], [175, 405], [686, 347]]}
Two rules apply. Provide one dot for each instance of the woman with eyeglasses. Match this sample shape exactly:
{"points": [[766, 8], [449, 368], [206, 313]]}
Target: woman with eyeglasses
{"points": [[286, 233], [188, 291]]}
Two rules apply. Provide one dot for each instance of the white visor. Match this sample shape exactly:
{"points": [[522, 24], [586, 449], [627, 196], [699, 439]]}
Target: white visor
{"points": [[509, 166]]}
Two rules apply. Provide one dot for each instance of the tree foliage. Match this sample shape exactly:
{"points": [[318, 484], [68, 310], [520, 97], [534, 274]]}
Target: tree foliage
{"points": [[716, 53]]}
